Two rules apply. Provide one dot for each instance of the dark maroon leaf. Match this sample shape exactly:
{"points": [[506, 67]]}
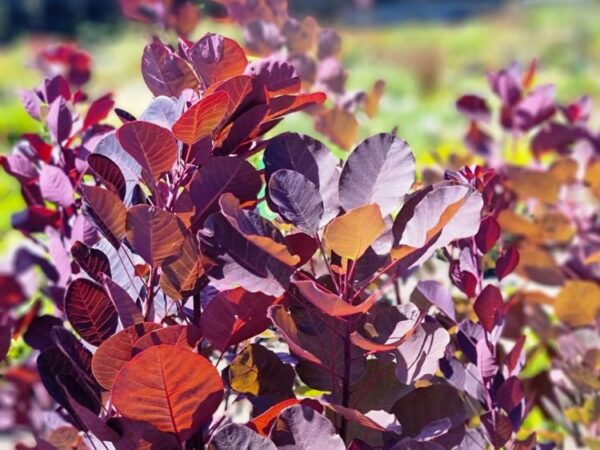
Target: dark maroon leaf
{"points": [[128, 311], [488, 234], [507, 262], [219, 176], [37, 335], [6, 327], [93, 261], [489, 307], [165, 73], [474, 108], [108, 172], [90, 311], [12, 292]]}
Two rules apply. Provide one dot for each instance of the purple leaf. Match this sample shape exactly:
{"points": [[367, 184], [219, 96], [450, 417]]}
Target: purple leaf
{"points": [[239, 436], [298, 200], [59, 120], [438, 296], [380, 170], [279, 77], [436, 216], [312, 159], [537, 107], [222, 175], [419, 357], [301, 427], [56, 186], [31, 103], [166, 73]]}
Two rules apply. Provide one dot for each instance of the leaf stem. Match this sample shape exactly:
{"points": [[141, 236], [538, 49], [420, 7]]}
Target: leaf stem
{"points": [[150, 294]]}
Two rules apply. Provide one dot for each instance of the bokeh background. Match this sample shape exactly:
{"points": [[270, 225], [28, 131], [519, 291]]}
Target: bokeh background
{"points": [[429, 52]]}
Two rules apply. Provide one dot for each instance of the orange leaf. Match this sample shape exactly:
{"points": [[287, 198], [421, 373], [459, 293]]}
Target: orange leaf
{"points": [[116, 351], [351, 235]]}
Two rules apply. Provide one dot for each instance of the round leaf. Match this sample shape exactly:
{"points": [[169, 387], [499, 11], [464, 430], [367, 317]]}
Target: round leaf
{"points": [[170, 387]]}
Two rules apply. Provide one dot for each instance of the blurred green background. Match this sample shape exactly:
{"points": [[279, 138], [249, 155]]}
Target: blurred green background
{"points": [[426, 65]]}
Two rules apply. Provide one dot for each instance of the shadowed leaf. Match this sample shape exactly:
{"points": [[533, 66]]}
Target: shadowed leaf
{"points": [[90, 311], [154, 233], [164, 72], [234, 316], [107, 211], [298, 200], [258, 371]]}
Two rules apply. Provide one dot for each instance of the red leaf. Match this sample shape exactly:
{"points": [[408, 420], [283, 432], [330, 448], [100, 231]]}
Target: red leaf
{"points": [[154, 233], [152, 146], [217, 58], [43, 149], [186, 336], [98, 110], [262, 423], [202, 118], [170, 387], [234, 316]]}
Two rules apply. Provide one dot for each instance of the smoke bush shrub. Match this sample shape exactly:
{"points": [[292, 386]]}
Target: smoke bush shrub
{"points": [[216, 288]]}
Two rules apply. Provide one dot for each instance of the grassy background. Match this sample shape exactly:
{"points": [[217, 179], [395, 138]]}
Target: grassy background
{"points": [[426, 67]]}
